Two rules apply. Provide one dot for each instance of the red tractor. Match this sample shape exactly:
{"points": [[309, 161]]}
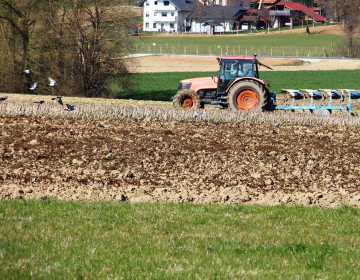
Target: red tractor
{"points": [[237, 87]]}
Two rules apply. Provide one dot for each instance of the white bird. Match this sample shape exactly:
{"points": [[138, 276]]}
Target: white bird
{"points": [[70, 107], [196, 114], [33, 86], [40, 102], [52, 82], [276, 124], [27, 71], [58, 99], [3, 98]]}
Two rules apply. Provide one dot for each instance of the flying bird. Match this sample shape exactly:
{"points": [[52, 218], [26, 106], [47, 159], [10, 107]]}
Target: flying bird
{"points": [[58, 99], [276, 124], [70, 107], [27, 71], [3, 98], [52, 83], [196, 114], [33, 86], [40, 102]]}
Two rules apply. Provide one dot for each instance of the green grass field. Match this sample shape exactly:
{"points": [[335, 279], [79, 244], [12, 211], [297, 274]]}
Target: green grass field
{"points": [[48, 239], [162, 86], [272, 44]]}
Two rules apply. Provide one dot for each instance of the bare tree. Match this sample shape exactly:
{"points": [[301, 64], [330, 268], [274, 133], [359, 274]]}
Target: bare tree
{"points": [[347, 11]]}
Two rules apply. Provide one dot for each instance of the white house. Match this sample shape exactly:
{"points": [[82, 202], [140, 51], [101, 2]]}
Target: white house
{"points": [[188, 16], [166, 15]]}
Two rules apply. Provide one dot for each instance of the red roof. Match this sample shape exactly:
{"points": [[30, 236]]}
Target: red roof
{"points": [[267, 2], [304, 9], [261, 13]]}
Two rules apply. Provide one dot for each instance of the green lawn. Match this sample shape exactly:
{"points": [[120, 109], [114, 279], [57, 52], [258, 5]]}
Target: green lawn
{"points": [[162, 86], [275, 44], [49, 239]]}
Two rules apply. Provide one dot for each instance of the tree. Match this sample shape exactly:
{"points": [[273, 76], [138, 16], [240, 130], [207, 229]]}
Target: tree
{"points": [[18, 20], [347, 11], [81, 43]]}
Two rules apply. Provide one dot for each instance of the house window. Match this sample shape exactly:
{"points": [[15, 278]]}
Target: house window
{"points": [[147, 25], [154, 25], [171, 25], [164, 14], [172, 14], [147, 14], [155, 2], [155, 14], [166, 3]]}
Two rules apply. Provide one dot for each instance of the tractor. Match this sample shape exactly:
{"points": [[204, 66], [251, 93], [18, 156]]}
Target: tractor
{"points": [[236, 87]]}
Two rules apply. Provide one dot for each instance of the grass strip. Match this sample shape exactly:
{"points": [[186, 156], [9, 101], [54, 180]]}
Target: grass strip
{"points": [[162, 86], [50, 239]]}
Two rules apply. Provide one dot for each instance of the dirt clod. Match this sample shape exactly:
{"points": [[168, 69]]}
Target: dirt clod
{"points": [[134, 162]]}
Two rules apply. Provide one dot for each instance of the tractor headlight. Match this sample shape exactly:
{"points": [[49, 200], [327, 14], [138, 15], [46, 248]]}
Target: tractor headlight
{"points": [[184, 85]]}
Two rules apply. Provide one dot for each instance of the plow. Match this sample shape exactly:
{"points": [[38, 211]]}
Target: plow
{"points": [[328, 100], [239, 87]]}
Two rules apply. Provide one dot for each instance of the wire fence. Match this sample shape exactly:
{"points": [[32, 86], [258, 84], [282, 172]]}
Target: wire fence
{"points": [[204, 50]]}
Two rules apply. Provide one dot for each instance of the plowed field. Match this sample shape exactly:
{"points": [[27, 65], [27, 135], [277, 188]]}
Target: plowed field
{"points": [[178, 161]]}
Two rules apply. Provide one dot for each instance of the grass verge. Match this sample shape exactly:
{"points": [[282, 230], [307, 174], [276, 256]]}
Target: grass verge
{"points": [[107, 240]]}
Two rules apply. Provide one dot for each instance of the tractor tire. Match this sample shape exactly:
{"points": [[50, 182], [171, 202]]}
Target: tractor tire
{"points": [[187, 98], [247, 96]]}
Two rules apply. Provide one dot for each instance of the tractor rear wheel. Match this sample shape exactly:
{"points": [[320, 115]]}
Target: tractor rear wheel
{"points": [[187, 98], [247, 96]]}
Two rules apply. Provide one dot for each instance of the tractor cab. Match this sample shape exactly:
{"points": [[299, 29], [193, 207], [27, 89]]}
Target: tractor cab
{"points": [[235, 67]]}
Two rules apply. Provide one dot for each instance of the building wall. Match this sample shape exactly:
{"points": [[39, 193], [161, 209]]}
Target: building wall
{"points": [[160, 15]]}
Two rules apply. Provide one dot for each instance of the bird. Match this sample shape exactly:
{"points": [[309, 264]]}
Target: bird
{"points": [[70, 107], [27, 71], [276, 124], [93, 87], [40, 101], [52, 82], [3, 98], [58, 99], [33, 86], [196, 114], [216, 123]]}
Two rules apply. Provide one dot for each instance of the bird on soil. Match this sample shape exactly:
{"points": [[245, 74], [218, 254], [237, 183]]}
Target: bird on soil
{"points": [[196, 114], [3, 98], [33, 86], [27, 71], [276, 124], [40, 101], [58, 99], [52, 82], [70, 107]]}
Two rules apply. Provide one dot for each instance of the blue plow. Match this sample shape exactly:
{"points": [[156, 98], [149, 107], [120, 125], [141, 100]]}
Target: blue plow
{"points": [[305, 100]]}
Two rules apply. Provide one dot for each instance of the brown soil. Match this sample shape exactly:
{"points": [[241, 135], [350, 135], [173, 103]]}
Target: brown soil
{"points": [[157, 161]]}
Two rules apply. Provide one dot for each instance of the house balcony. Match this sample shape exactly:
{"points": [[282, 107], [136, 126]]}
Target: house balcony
{"points": [[279, 13]]}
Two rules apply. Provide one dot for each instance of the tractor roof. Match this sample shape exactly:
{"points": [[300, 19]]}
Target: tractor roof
{"points": [[236, 58]]}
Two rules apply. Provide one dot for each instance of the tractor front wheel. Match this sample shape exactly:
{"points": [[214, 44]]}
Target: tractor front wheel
{"points": [[187, 98], [247, 96]]}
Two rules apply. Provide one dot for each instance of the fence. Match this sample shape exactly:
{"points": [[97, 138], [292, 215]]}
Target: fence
{"points": [[288, 51]]}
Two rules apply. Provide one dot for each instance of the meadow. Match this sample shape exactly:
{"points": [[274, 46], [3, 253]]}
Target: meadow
{"points": [[50, 239], [272, 44]]}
